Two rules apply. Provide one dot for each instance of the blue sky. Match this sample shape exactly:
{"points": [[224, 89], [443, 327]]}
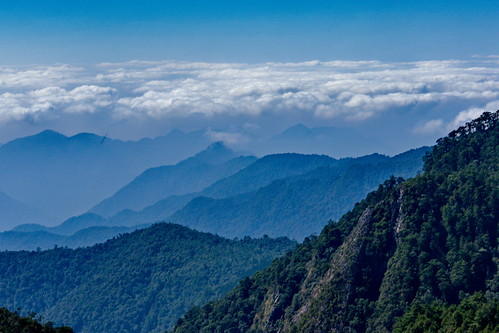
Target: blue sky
{"points": [[45, 32], [406, 72]]}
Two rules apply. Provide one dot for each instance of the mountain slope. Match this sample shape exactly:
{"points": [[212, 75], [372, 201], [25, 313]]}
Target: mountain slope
{"points": [[260, 173], [190, 175], [138, 282], [13, 212], [431, 240], [63, 176], [264, 171], [299, 205]]}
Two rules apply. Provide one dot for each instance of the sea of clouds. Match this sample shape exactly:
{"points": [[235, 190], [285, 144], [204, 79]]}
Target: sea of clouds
{"points": [[173, 93]]}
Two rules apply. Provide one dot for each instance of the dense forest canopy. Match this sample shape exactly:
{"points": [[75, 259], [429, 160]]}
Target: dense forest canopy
{"points": [[138, 282], [415, 256]]}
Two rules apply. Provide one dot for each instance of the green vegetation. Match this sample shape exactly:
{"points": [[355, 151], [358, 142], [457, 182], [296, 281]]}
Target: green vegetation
{"points": [[414, 256], [475, 313], [138, 282], [12, 322]]}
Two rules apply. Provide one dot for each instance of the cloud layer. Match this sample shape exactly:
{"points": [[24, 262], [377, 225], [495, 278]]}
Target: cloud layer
{"points": [[324, 92]]}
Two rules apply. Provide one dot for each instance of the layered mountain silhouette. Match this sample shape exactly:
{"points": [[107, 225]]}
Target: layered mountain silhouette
{"points": [[413, 256], [14, 212], [280, 195], [298, 205], [333, 141], [62, 176], [188, 176]]}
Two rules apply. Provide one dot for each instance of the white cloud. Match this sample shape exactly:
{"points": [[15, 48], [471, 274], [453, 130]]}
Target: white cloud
{"points": [[430, 127], [35, 103], [472, 113], [230, 138], [342, 90], [39, 76]]}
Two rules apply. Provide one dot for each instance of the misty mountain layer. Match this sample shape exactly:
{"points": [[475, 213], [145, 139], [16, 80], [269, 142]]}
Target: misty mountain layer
{"points": [[279, 195], [190, 175], [63, 176], [299, 205]]}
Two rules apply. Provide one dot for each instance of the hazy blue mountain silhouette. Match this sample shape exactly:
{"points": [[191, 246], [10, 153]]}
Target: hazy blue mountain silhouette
{"points": [[68, 227], [63, 176], [277, 194], [190, 175], [14, 212], [17, 240], [332, 141], [260, 173]]}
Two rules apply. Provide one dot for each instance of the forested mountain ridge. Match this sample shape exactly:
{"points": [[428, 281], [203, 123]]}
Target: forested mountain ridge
{"points": [[137, 282], [414, 256]]}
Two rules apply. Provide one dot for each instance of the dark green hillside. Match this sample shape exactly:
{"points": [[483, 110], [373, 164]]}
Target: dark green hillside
{"points": [[476, 313], [298, 205], [12, 322], [414, 256], [138, 282]]}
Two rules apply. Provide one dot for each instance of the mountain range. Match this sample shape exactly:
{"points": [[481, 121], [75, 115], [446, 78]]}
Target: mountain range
{"points": [[59, 176], [188, 176], [298, 205], [289, 195], [62, 176], [414, 256]]}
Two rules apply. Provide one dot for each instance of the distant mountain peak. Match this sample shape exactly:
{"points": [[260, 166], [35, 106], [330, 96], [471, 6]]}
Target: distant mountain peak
{"points": [[48, 135], [88, 138], [85, 135], [49, 132], [296, 130], [176, 132], [217, 145], [215, 153]]}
